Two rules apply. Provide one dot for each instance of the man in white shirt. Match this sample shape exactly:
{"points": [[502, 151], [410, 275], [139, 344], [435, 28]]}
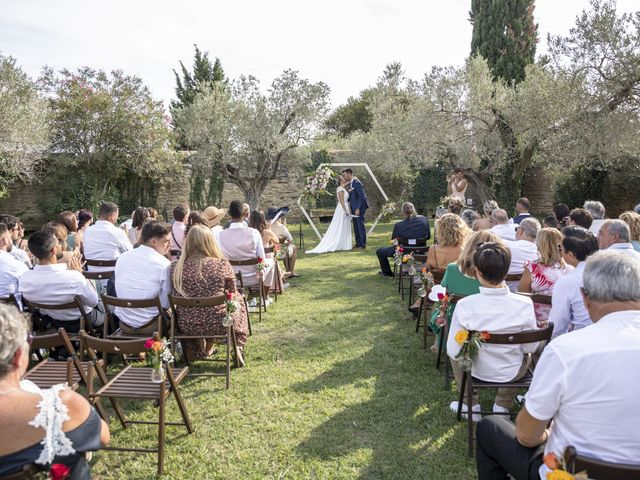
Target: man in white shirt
{"points": [[179, 226], [53, 283], [597, 211], [496, 310], [239, 242], [10, 268], [16, 230], [568, 311], [103, 240], [144, 273], [615, 235], [503, 228], [523, 249], [586, 383]]}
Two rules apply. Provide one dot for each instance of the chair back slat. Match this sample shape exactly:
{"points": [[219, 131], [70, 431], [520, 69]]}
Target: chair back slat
{"points": [[412, 242], [513, 277], [420, 257], [131, 303], [50, 306], [100, 263], [598, 469], [98, 275], [48, 341], [269, 249], [517, 338], [537, 297], [243, 263], [197, 301], [114, 347]]}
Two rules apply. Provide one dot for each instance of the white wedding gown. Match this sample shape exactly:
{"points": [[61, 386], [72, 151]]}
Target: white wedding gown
{"points": [[338, 236]]}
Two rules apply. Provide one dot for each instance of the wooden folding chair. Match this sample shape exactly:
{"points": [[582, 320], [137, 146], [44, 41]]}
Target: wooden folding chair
{"points": [[513, 277], [537, 297], [28, 472], [251, 289], [110, 321], [10, 300], [420, 260], [423, 311], [76, 303], [134, 383], [276, 272], [74, 372], [410, 246], [240, 287], [229, 339], [470, 382], [442, 344], [597, 469], [98, 275]]}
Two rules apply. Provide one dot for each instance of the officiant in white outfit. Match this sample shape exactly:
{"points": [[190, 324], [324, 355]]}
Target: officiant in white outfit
{"points": [[338, 236]]}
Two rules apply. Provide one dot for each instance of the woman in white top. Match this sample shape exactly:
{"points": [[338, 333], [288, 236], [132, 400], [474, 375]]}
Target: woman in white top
{"points": [[338, 236], [457, 185]]}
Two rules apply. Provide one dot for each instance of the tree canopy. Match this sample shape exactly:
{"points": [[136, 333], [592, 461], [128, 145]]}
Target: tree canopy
{"points": [[24, 125]]}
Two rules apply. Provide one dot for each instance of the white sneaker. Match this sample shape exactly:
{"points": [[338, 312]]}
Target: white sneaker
{"points": [[253, 302], [498, 409], [269, 301], [476, 417]]}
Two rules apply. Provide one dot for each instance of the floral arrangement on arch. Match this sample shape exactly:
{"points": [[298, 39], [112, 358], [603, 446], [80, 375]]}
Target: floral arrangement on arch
{"points": [[389, 211], [316, 183]]}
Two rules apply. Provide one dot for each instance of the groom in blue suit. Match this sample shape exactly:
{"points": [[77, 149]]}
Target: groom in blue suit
{"points": [[359, 205]]}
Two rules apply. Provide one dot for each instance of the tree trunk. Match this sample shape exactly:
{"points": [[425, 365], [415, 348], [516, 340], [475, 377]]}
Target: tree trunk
{"points": [[484, 193]]}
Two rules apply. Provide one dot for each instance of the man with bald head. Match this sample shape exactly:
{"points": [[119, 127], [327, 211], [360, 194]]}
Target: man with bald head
{"points": [[503, 227]]}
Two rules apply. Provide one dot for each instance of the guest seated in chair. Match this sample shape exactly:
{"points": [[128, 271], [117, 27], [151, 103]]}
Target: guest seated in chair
{"points": [[413, 226], [179, 226], [17, 229], [141, 274], [51, 282], [495, 309], [103, 240], [278, 220], [10, 268], [523, 249], [502, 226], [32, 431], [581, 218], [239, 242], [202, 271], [269, 239], [585, 385], [615, 235]]}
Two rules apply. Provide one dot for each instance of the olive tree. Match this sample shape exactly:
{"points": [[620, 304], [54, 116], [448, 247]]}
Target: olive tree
{"points": [[24, 125], [255, 135]]}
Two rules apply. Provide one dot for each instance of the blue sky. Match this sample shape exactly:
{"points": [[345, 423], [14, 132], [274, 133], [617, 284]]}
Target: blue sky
{"points": [[345, 43]]}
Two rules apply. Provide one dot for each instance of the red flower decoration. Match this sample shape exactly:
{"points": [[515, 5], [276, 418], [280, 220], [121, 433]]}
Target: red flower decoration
{"points": [[485, 335], [440, 296], [229, 296], [59, 471], [401, 249], [148, 343], [259, 259]]}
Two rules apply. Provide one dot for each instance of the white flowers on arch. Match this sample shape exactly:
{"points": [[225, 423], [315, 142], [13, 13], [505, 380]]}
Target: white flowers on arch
{"points": [[322, 167]]}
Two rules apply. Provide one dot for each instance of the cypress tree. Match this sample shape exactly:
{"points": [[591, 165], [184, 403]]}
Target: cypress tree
{"points": [[505, 34]]}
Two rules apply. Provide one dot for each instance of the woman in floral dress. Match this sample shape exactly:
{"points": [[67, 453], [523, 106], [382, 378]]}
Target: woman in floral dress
{"points": [[542, 274], [202, 271]]}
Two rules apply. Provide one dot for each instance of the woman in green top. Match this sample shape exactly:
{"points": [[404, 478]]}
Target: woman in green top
{"points": [[459, 278]]}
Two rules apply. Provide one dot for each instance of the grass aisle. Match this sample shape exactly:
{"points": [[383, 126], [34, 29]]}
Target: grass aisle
{"points": [[336, 386]]}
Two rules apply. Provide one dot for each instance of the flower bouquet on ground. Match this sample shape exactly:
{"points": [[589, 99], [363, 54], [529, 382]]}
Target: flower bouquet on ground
{"points": [[558, 469], [231, 305], [471, 342], [158, 354]]}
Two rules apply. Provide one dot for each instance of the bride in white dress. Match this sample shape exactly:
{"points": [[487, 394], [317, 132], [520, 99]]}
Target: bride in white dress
{"points": [[338, 236]]}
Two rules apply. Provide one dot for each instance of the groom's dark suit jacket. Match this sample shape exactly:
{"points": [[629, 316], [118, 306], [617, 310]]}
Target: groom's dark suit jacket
{"points": [[357, 197], [416, 227]]}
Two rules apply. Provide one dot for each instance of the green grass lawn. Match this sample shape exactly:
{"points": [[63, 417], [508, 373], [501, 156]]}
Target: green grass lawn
{"points": [[336, 385]]}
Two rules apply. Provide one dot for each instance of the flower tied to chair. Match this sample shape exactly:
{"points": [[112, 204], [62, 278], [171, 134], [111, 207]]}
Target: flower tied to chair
{"points": [[559, 471], [470, 341]]}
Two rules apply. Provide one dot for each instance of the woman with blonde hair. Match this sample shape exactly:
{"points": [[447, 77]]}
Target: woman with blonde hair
{"points": [[202, 271], [633, 220], [451, 231], [542, 274]]}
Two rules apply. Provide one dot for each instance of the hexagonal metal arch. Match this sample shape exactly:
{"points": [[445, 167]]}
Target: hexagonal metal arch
{"points": [[373, 177]]}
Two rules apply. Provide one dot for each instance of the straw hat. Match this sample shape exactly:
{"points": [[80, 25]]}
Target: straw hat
{"points": [[214, 215]]}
